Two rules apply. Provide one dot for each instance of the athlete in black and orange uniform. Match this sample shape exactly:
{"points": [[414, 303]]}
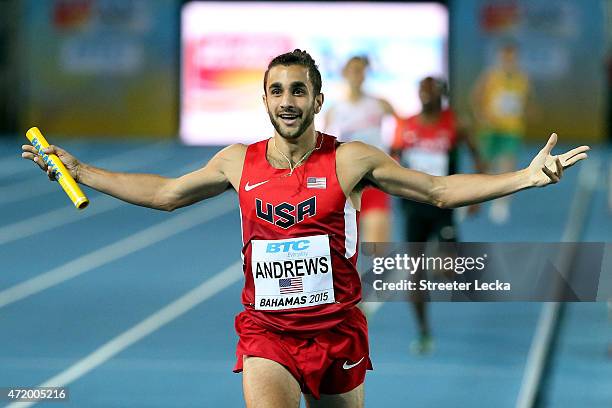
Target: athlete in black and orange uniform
{"points": [[303, 334], [428, 142]]}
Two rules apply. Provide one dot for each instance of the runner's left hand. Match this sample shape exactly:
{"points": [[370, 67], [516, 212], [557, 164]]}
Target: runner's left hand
{"points": [[546, 168]]}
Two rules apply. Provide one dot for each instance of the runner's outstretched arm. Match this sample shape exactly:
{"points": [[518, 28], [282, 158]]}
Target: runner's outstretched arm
{"points": [[149, 190], [461, 189]]}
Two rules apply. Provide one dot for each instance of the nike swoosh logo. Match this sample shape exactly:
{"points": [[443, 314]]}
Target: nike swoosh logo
{"points": [[248, 187], [348, 366]]}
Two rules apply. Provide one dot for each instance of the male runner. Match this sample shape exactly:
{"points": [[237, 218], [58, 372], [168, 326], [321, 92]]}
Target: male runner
{"points": [[428, 142], [299, 195], [359, 116]]}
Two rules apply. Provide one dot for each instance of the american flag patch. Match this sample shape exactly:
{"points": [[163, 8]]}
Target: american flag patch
{"points": [[290, 285], [316, 182]]}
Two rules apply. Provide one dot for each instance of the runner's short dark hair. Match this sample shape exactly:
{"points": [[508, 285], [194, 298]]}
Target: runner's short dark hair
{"points": [[360, 58], [440, 83], [298, 57]]}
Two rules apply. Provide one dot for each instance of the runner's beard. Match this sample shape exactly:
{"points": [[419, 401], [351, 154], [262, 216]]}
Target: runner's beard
{"points": [[306, 118]]}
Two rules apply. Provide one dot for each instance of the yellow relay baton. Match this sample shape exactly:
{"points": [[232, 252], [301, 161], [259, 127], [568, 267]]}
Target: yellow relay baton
{"points": [[61, 172]]}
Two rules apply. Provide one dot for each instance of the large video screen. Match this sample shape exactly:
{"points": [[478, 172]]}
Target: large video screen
{"points": [[226, 48]]}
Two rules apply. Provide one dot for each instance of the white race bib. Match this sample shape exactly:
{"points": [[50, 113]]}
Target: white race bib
{"points": [[427, 161], [508, 103], [292, 273]]}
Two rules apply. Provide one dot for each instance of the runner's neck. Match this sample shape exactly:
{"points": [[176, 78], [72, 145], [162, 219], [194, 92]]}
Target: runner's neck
{"points": [[293, 153], [430, 117], [355, 95]]}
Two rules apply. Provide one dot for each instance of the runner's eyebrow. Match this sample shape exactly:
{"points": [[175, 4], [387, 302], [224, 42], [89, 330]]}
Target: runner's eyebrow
{"points": [[293, 85]]}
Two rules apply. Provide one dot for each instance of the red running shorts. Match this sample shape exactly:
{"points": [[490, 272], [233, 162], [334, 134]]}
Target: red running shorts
{"points": [[332, 362], [374, 199]]}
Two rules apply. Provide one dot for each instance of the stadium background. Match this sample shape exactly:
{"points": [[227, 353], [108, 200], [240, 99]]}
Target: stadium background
{"points": [[80, 292]]}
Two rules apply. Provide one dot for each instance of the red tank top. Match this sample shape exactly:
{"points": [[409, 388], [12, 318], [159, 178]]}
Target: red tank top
{"points": [[426, 146], [440, 136], [299, 236]]}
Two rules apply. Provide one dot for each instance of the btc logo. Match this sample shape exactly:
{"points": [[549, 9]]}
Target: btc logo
{"points": [[288, 246]]}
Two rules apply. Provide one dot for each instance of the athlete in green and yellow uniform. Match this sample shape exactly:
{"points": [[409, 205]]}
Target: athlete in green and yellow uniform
{"points": [[499, 103]]}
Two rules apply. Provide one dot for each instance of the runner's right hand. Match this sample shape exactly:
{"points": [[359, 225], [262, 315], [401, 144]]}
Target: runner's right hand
{"points": [[71, 163]]}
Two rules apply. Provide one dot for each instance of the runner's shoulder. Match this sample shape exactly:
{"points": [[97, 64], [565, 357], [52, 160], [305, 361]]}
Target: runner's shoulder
{"points": [[233, 152], [357, 152], [355, 146], [231, 156], [386, 106]]}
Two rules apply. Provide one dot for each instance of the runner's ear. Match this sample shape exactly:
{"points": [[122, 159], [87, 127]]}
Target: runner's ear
{"points": [[319, 102]]}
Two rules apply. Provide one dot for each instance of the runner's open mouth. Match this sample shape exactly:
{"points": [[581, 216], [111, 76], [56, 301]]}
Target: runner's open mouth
{"points": [[289, 118]]}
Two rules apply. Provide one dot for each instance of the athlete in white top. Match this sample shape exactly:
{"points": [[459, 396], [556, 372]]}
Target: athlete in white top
{"points": [[359, 117]]}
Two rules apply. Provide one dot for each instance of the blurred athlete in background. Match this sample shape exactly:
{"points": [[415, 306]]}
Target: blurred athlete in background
{"points": [[428, 142], [499, 103], [359, 117]]}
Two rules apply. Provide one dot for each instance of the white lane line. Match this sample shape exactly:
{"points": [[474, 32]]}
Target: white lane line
{"points": [[219, 365], [543, 337], [51, 219], [66, 214], [126, 246], [123, 363], [126, 157], [168, 313], [126, 161], [370, 308]]}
